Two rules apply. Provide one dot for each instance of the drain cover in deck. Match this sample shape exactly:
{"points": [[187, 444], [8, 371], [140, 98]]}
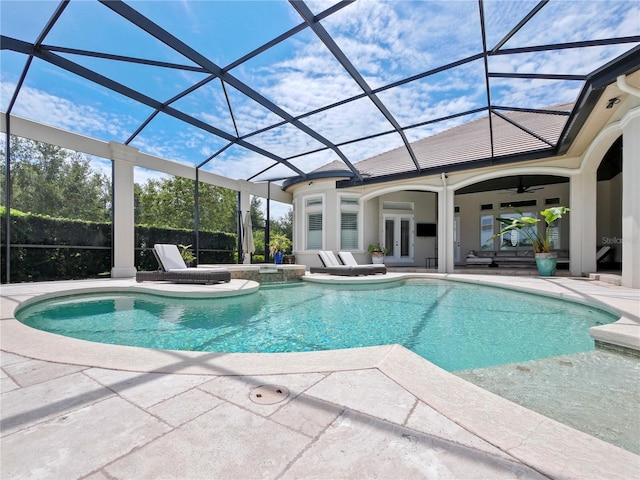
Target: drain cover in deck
{"points": [[268, 394]]}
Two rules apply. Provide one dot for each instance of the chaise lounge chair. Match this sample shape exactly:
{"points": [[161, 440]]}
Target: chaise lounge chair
{"points": [[333, 267], [348, 259], [173, 269]]}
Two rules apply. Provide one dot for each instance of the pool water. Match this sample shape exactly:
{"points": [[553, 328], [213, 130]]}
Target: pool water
{"points": [[596, 392], [457, 326]]}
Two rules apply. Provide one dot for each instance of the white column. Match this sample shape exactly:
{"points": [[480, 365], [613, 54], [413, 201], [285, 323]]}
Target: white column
{"points": [[244, 207], [123, 158], [631, 201], [582, 225], [445, 230]]}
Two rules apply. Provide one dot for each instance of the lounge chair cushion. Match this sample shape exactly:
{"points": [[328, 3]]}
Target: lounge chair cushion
{"points": [[329, 259], [171, 261], [348, 259], [169, 257]]}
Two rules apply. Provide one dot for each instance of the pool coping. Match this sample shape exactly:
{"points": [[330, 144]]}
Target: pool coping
{"points": [[548, 446]]}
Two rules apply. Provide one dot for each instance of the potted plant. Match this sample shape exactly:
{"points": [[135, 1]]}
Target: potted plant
{"points": [[187, 254], [545, 259], [278, 244], [377, 252]]}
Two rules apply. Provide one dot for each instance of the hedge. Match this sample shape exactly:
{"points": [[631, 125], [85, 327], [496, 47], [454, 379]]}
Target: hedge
{"points": [[48, 248]]}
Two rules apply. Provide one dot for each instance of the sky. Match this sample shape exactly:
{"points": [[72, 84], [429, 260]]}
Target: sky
{"points": [[386, 41]]}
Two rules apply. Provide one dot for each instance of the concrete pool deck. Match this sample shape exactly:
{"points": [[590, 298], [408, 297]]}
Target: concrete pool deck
{"points": [[76, 409]]}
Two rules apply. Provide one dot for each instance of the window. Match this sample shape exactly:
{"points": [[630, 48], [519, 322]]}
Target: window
{"points": [[397, 206], [349, 235], [523, 203], [518, 238], [486, 232], [314, 231], [554, 233], [349, 230], [314, 219]]}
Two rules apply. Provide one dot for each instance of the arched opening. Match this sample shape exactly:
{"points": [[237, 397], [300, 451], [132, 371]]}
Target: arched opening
{"points": [[405, 223], [477, 206], [609, 210]]}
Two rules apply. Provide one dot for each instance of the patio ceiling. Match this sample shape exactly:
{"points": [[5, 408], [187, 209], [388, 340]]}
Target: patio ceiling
{"points": [[274, 90]]}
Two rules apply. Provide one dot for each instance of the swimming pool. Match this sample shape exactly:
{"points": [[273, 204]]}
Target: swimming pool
{"points": [[454, 325]]}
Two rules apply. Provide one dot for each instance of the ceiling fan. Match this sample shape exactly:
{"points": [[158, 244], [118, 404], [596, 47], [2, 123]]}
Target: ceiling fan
{"points": [[522, 188]]}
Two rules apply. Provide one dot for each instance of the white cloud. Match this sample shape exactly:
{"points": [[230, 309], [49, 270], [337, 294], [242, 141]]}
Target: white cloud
{"points": [[143, 175], [386, 41], [238, 163], [312, 161], [278, 210], [49, 109], [100, 165], [569, 21], [389, 40], [381, 39]]}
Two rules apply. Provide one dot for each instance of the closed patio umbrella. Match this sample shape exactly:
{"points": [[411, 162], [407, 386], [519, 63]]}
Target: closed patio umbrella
{"points": [[247, 238]]}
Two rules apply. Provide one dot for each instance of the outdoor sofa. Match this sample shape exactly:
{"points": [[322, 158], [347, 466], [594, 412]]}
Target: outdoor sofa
{"points": [[509, 258]]}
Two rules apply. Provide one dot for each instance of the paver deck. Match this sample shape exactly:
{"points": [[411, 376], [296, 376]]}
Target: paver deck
{"points": [[76, 409]]}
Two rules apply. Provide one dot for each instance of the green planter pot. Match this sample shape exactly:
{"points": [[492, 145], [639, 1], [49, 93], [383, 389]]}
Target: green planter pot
{"points": [[546, 263]]}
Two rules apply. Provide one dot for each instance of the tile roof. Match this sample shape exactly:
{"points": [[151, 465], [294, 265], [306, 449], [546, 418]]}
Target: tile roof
{"points": [[471, 142]]}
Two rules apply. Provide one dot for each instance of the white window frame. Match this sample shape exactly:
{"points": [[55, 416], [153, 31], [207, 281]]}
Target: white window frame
{"points": [[346, 205], [486, 232], [314, 209]]}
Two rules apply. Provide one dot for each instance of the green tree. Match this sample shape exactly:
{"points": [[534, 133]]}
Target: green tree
{"points": [[170, 202], [284, 225], [257, 215], [258, 222], [50, 180], [218, 208]]}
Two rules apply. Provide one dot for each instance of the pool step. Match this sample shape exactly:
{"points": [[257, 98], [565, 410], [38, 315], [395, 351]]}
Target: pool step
{"points": [[606, 278]]}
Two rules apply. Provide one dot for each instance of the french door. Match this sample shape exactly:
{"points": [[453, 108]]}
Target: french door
{"points": [[398, 237]]}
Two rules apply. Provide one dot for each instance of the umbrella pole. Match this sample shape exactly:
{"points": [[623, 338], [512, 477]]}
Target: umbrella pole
{"points": [[240, 254]]}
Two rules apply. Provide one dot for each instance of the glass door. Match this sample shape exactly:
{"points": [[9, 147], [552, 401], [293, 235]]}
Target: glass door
{"points": [[398, 238]]}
